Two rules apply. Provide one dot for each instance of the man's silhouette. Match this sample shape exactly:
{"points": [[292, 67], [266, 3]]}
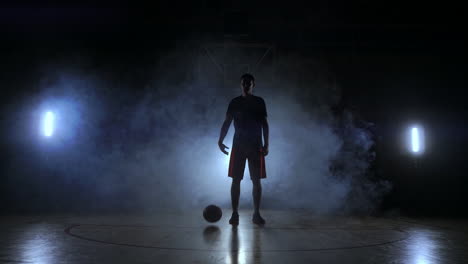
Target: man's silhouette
{"points": [[250, 119]]}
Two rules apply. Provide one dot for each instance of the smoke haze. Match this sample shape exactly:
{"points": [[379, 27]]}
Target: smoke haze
{"points": [[144, 137]]}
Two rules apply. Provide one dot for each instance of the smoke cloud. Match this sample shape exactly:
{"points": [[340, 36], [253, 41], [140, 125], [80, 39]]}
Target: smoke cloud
{"points": [[145, 138]]}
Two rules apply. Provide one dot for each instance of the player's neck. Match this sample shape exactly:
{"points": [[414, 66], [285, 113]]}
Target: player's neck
{"points": [[246, 94]]}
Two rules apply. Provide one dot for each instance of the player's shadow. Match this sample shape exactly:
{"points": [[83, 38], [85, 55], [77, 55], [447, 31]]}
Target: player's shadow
{"points": [[234, 245], [257, 245], [254, 250]]}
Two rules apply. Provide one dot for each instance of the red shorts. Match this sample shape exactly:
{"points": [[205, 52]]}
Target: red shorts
{"points": [[256, 160]]}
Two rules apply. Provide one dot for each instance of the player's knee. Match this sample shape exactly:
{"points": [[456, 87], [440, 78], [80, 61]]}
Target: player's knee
{"points": [[236, 181], [256, 183]]}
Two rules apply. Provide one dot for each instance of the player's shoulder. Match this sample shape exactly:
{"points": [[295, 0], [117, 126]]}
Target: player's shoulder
{"points": [[236, 99], [258, 98]]}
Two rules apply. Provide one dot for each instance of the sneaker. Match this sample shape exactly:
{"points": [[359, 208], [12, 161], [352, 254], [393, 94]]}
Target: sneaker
{"points": [[258, 219], [234, 219]]}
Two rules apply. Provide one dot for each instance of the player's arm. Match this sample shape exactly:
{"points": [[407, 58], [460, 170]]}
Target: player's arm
{"points": [[266, 134], [265, 129], [223, 133]]}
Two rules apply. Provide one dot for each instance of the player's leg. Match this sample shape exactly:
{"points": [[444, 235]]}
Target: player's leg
{"points": [[235, 193], [236, 172], [256, 194], [256, 168]]}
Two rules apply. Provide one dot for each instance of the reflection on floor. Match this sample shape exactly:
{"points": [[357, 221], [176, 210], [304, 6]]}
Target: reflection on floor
{"points": [[176, 237]]}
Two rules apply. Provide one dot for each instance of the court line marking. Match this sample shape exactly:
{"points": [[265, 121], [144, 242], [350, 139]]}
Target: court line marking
{"points": [[69, 232]]}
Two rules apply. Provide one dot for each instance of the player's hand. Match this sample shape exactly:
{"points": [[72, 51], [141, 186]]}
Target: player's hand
{"points": [[223, 148], [264, 150]]}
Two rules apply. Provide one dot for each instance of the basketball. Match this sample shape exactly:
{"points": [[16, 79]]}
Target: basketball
{"points": [[212, 213]]}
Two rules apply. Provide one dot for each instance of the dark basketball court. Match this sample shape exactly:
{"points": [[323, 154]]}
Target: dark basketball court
{"points": [[298, 237], [119, 125]]}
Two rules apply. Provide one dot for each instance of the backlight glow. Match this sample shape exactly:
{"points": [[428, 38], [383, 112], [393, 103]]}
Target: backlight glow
{"points": [[415, 140], [48, 124]]}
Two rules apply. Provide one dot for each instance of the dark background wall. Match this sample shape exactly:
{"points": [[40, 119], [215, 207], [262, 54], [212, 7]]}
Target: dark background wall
{"points": [[393, 63]]}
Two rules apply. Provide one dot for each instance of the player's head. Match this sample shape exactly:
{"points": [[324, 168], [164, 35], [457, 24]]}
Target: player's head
{"points": [[247, 83]]}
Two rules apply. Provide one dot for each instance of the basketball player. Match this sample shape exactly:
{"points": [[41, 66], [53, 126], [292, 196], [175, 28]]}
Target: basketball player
{"points": [[250, 120]]}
